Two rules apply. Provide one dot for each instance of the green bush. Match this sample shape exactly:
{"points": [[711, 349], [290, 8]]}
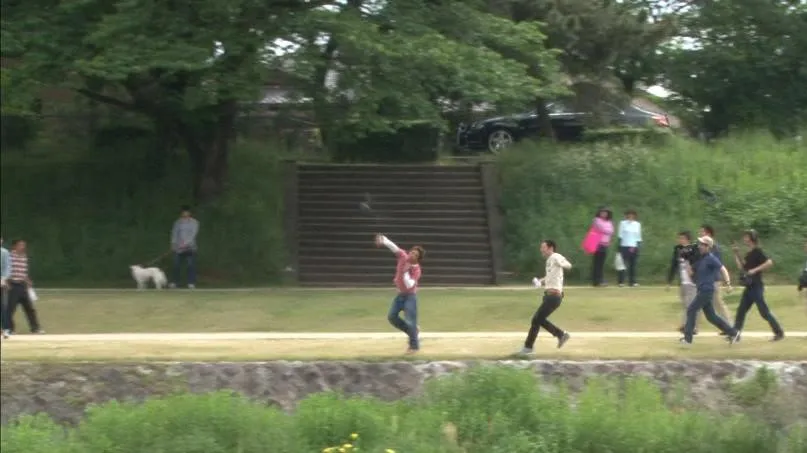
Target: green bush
{"points": [[87, 218], [552, 192], [488, 409], [409, 142]]}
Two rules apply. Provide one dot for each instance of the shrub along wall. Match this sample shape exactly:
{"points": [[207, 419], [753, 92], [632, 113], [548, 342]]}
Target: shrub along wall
{"points": [[88, 217], [485, 410], [553, 192]]}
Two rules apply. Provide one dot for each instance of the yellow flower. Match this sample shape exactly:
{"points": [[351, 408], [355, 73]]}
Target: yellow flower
{"points": [[347, 446], [341, 450], [354, 436], [389, 450], [327, 450]]}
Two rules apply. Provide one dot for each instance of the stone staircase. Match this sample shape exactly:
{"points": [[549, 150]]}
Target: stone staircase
{"points": [[442, 208]]}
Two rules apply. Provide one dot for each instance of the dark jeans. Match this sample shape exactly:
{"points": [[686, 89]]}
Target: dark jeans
{"points": [[599, 265], [18, 295], [629, 258], [550, 303], [189, 257], [755, 294], [703, 301], [408, 304]]}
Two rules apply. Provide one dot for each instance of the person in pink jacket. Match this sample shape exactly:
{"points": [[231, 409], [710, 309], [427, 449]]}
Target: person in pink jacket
{"points": [[603, 224]]}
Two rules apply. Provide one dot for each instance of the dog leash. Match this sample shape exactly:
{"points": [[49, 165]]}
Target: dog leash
{"points": [[158, 258]]}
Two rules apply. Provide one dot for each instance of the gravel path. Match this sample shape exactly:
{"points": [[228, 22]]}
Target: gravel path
{"points": [[252, 336]]}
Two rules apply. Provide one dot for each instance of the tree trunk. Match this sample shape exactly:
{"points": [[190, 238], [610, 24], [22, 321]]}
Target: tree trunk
{"points": [[208, 144]]}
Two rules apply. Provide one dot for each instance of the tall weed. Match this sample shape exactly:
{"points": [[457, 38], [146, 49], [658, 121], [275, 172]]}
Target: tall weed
{"points": [[552, 192], [487, 409]]}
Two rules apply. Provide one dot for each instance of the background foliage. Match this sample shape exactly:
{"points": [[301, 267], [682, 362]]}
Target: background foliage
{"points": [[761, 183]]}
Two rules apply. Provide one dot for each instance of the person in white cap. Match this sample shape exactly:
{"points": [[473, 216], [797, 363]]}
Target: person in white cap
{"points": [[705, 273]]}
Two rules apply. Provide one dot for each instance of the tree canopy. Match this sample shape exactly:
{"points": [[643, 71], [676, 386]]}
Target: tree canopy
{"points": [[193, 68]]}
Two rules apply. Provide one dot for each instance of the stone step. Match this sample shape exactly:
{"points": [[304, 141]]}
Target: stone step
{"points": [[391, 216], [409, 237], [396, 206], [379, 200], [351, 219], [385, 190], [390, 269], [370, 228], [368, 251], [398, 181], [385, 278], [383, 258], [392, 168]]}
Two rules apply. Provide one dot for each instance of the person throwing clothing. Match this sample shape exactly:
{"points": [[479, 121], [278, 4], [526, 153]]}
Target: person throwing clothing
{"points": [[407, 276], [556, 264], [753, 264], [706, 272]]}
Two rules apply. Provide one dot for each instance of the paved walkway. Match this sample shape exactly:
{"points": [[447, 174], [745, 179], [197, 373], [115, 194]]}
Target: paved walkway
{"points": [[524, 287], [301, 336]]}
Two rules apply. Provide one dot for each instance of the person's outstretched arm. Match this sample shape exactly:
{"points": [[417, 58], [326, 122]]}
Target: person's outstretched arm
{"points": [[383, 240]]}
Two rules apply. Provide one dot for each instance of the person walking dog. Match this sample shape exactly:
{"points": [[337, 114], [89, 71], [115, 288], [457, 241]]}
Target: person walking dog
{"points": [[753, 265], [183, 244], [706, 272]]}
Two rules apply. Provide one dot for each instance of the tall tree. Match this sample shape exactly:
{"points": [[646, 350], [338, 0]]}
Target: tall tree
{"points": [[186, 66], [742, 64], [375, 63]]}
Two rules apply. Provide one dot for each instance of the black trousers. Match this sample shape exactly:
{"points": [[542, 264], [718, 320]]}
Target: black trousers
{"points": [[550, 303], [629, 258], [18, 295], [755, 294], [598, 265]]}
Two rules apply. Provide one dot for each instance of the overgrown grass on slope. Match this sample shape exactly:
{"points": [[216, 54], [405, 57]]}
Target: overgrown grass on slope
{"points": [[553, 193], [489, 409], [88, 217]]}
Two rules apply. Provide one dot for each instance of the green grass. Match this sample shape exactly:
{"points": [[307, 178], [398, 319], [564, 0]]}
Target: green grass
{"points": [[553, 193], [297, 310], [489, 409]]}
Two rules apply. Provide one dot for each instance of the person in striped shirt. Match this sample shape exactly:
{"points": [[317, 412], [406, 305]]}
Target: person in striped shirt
{"points": [[556, 264], [407, 276], [19, 283], [5, 272]]}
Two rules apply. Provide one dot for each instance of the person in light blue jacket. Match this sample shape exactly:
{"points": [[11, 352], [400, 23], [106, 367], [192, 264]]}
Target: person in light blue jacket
{"points": [[630, 239]]}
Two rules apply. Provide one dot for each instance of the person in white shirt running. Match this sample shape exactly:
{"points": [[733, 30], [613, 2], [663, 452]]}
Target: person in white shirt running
{"points": [[556, 264]]}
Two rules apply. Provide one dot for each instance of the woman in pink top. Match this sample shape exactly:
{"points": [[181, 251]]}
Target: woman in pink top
{"points": [[603, 224]]}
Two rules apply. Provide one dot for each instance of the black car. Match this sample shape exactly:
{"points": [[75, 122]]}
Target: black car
{"points": [[495, 134]]}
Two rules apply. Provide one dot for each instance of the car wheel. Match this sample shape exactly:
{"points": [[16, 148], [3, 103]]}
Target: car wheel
{"points": [[499, 139]]}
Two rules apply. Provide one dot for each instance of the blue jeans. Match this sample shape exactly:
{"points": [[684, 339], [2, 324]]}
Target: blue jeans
{"points": [[408, 304], [755, 294], [189, 257], [703, 301]]}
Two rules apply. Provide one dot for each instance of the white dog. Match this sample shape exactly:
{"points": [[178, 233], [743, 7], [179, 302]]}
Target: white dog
{"points": [[143, 275]]}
